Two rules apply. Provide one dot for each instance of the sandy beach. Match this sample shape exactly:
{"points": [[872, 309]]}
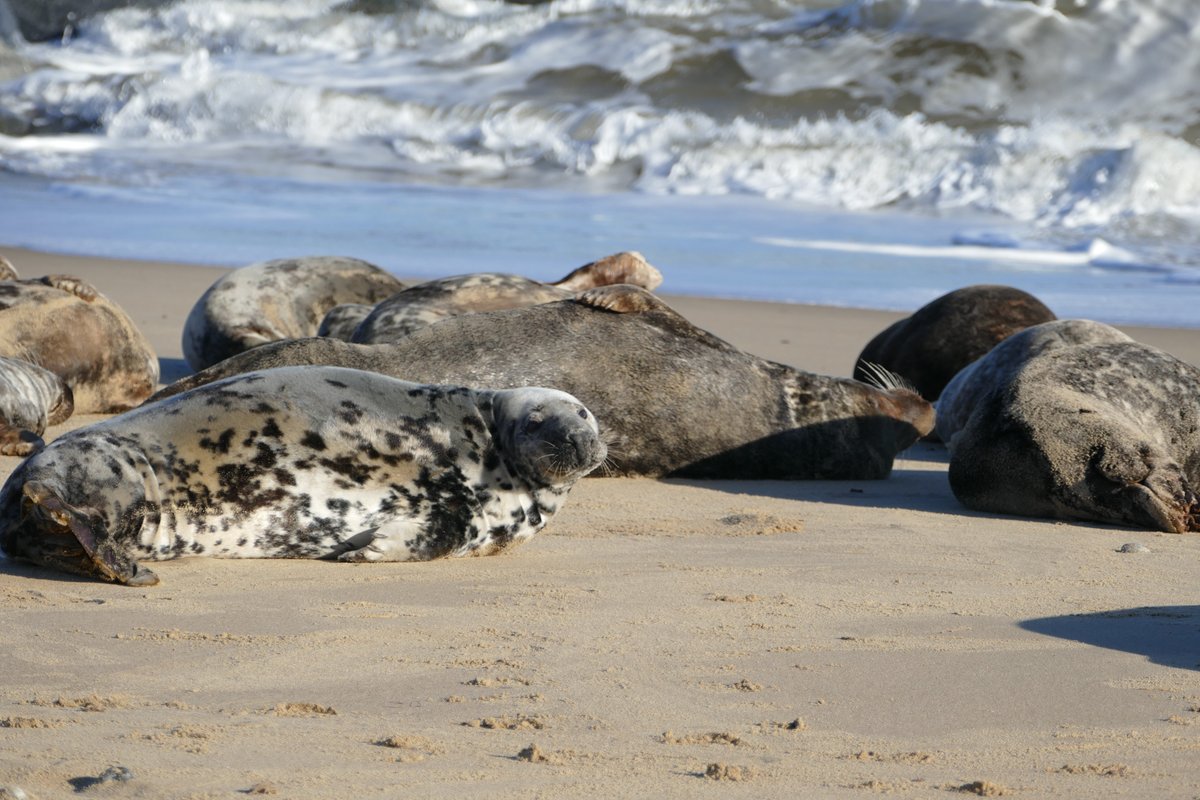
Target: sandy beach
{"points": [[659, 639]]}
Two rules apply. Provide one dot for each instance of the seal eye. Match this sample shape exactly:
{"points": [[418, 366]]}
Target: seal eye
{"points": [[583, 413]]}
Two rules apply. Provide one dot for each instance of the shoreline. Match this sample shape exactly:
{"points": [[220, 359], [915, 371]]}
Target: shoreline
{"points": [[833, 639], [775, 330]]}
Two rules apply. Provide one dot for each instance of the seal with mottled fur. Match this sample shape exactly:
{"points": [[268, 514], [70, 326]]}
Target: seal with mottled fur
{"points": [[675, 400], [341, 321], [968, 388], [945, 335], [273, 300], [62, 324], [429, 302], [315, 462], [1073, 419], [31, 398]]}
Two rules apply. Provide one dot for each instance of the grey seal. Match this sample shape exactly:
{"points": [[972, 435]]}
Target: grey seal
{"points": [[426, 303], [316, 462], [972, 383], [62, 324], [1072, 419], [945, 335], [341, 321], [31, 398], [272, 300], [675, 400]]}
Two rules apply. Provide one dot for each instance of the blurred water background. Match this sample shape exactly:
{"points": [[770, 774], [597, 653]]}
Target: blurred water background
{"points": [[871, 154]]}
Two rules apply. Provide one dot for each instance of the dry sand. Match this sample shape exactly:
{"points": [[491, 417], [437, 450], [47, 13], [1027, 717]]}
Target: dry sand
{"points": [[659, 639]]}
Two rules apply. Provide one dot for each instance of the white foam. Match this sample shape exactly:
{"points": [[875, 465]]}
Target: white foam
{"points": [[1064, 121]]}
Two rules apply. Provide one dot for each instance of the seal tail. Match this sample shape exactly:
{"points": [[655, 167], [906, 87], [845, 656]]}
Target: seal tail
{"points": [[56, 534]]}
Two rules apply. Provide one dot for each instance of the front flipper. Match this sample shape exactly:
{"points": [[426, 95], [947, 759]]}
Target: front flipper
{"points": [[358, 548], [622, 298], [70, 542], [72, 285]]}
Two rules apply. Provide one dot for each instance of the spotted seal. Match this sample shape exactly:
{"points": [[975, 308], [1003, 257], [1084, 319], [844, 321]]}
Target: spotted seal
{"points": [[945, 335], [675, 400], [314, 462], [429, 302], [272, 300], [1072, 419], [64, 325], [31, 398]]}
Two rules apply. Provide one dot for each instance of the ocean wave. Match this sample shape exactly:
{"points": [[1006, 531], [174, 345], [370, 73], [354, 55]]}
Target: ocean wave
{"points": [[1079, 117]]}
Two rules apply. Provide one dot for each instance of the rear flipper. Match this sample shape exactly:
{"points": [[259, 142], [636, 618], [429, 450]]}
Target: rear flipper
{"points": [[17, 441], [60, 536]]}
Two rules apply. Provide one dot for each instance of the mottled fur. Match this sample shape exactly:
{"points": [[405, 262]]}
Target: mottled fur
{"points": [[314, 462], [341, 321], [675, 400], [64, 325], [274, 300], [1073, 419], [945, 335], [30, 399]]}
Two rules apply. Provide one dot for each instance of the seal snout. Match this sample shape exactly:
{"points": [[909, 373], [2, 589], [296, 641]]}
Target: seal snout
{"points": [[569, 447]]}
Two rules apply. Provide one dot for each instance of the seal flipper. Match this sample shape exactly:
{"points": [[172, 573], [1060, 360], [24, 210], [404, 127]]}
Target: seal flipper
{"points": [[628, 266], [72, 285], [18, 441], [622, 298], [88, 554]]}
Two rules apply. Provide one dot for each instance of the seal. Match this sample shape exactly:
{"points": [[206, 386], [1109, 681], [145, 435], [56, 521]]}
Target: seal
{"points": [[945, 335], [967, 389], [31, 398], [427, 303], [675, 400], [62, 324], [1072, 419], [341, 321], [318, 462], [273, 300]]}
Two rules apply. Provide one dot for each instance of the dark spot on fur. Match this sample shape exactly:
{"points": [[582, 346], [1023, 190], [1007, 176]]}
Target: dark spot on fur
{"points": [[221, 444]]}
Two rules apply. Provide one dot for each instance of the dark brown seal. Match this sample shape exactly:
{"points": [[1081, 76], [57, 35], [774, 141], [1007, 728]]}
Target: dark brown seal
{"points": [[1073, 419], [274, 300], [947, 334], [674, 399]]}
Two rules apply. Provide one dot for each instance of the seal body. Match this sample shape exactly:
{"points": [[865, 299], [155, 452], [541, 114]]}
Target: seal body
{"points": [[1075, 420], [64, 325], [341, 321], [273, 300], [31, 398], [432, 301], [945, 335], [317, 462], [674, 399], [967, 389]]}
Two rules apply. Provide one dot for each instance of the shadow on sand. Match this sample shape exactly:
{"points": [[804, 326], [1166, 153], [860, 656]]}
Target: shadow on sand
{"points": [[1167, 635]]}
